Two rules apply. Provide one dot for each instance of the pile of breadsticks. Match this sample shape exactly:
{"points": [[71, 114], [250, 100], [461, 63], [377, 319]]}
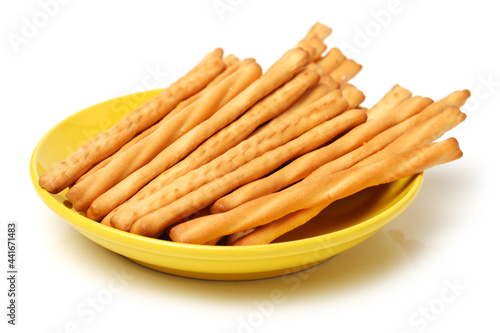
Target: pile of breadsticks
{"points": [[230, 155]]}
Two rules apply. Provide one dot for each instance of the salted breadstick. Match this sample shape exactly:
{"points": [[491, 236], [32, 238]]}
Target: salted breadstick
{"points": [[280, 72], [82, 194], [277, 132], [315, 193], [423, 133], [228, 137], [203, 196], [331, 60], [307, 163], [65, 173], [232, 64], [347, 70]]}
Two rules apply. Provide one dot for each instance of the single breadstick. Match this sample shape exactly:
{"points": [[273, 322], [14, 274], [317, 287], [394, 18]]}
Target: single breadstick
{"points": [[267, 233], [319, 30], [353, 95], [228, 137], [346, 71], [280, 72], [277, 132], [232, 64], [65, 173], [203, 196], [307, 163], [316, 193], [84, 193], [331, 60], [392, 98]]}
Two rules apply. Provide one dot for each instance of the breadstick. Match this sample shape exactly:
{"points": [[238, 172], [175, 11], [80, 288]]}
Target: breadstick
{"points": [[315, 193], [331, 60], [304, 165], [203, 196], [423, 133], [84, 193], [232, 64], [277, 132], [65, 173], [353, 95], [346, 71], [280, 72], [319, 30], [228, 137], [392, 98]]}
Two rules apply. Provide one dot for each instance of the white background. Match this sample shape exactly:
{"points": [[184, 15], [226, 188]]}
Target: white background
{"points": [[433, 269]]}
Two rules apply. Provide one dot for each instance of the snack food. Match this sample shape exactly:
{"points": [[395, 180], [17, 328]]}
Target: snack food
{"points": [[98, 148], [315, 193], [228, 155]]}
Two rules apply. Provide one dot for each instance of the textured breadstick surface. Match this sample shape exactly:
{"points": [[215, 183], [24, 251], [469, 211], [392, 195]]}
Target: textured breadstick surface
{"points": [[277, 132], [391, 99], [88, 193], [306, 164], [231, 135], [292, 62], [331, 60], [205, 195], [65, 173], [315, 193]]}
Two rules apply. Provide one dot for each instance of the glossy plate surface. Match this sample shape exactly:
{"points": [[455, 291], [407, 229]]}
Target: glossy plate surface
{"points": [[342, 225]]}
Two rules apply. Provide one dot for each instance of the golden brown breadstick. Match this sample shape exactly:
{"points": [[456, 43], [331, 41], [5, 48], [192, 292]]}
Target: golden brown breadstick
{"points": [[353, 95], [65, 173], [267, 233], [319, 30], [392, 98], [331, 60], [203, 196], [82, 194], [280, 72], [315, 193], [307, 163], [345, 71], [277, 132], [228, 137]]}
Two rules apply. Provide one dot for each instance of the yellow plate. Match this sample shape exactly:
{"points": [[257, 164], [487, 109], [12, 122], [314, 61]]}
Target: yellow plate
{"points": [[342, 225]]}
